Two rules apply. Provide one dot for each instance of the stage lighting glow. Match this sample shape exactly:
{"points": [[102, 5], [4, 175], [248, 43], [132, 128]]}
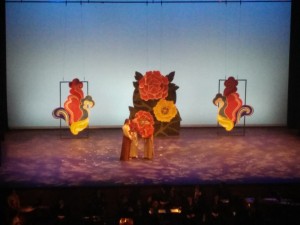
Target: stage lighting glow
{"points": [[175, 210]]}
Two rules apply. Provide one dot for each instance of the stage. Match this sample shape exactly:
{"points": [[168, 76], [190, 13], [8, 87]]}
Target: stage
{"points": [[44, 158]]}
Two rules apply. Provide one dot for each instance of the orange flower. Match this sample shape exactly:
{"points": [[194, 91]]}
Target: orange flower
{"points": [[153, 85], [143, 123]]}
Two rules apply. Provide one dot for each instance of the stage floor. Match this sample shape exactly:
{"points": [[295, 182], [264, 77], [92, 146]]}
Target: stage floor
{"points": [[42, 158]]}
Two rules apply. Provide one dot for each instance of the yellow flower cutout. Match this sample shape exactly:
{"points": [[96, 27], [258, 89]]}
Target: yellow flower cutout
{"points": [[164, 110]]}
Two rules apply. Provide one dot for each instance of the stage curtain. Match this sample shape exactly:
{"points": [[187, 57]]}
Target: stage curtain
{"points": [[3, 105], [293, 120]]}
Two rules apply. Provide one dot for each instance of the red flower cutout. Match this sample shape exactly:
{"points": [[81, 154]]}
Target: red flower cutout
{"points": [[143, 123], [153, 85]]}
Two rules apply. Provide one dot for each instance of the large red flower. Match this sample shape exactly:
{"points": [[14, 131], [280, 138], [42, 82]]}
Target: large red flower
{"points": [[143, 123], [153, 85]]}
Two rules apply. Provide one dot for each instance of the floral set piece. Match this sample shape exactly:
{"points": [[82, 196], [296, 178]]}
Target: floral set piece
{"points": [[76, 108], [154, 100], [230, 105]]}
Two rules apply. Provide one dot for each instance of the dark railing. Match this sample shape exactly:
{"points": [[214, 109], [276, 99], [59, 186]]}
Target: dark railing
{"points": [[145, 1]]}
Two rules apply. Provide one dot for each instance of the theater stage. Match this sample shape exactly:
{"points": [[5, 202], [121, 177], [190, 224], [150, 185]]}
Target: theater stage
{"points": [[44, 158]]}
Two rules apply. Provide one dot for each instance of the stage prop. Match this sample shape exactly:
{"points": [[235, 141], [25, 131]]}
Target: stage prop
{"points": [[156, 94], [230, 105], [76, 107]]}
